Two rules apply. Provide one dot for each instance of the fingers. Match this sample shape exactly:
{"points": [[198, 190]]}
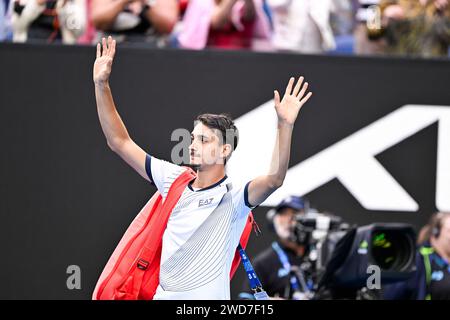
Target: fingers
{"points": [[306, 98], [289, 86], [113, 49], [111, 46], [104, 48], [107, 47], [98, 50], [298, 86], [298, 92], [302, 92], [276, 97]]}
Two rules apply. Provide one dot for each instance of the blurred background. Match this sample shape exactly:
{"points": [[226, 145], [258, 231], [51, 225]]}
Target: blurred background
{"points": [[359, 27]]}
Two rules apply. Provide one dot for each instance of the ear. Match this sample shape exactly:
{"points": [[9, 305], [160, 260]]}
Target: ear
{"points": [[226, 150]]}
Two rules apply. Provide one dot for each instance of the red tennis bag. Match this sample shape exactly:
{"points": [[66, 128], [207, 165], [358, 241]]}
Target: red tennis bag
{"points": [[132, 271]]}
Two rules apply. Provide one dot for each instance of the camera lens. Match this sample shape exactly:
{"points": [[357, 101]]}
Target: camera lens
{"points": [[391, 250]]}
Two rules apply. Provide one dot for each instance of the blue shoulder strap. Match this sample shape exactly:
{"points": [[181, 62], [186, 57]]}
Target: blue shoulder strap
{"points": [[255, 284]]}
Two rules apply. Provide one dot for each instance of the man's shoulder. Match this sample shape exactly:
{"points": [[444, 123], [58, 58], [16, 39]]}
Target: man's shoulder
{"points": [[240, 190], [236, 184]]}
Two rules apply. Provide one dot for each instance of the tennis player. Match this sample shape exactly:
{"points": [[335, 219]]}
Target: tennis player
{"points": [[205, 226]]}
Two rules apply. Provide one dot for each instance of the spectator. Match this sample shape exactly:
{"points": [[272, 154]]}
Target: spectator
{"points": [[145, 22], [48, 20], [432, 279], [305, 25], [417, 27], [368, 41], [4, 30], [89, 34], [226, 24]]}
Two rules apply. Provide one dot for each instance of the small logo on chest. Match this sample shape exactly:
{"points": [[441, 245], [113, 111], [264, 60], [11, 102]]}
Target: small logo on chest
{"points": [[205, 202]]}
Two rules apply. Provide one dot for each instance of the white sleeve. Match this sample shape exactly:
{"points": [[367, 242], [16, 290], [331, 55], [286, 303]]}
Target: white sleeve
{"points": [[162, 173], [240, 198], [242, 211]]}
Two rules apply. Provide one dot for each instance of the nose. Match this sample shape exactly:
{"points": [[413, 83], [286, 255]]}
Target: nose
{"points": [[192, 148]]}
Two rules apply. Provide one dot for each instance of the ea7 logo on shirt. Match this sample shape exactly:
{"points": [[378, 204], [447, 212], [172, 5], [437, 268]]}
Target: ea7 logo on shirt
{"points": [[205, 202]]}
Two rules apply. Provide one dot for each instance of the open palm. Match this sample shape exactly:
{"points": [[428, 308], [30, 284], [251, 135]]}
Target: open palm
{"points": [[294, 98], [104, 60]]}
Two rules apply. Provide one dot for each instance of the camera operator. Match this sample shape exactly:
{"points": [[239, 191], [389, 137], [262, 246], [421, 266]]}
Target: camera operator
{"points": [[279, 267], [432, 279]]}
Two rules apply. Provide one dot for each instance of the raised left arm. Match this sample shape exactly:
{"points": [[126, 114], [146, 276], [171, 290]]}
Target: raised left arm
{"points": [[287, 111]]}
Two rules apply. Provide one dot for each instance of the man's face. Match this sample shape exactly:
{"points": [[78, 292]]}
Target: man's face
{"points": [[206, 147], [443, 241], [284, 221]]}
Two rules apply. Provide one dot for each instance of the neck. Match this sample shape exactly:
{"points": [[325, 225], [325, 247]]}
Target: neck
{"points": [[209, 176]]}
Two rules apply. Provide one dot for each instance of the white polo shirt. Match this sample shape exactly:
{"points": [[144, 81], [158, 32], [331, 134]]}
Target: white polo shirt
{"points": [[201, 237]]}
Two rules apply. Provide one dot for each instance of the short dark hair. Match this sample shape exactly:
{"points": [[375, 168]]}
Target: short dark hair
{"points": [[225, 125]]}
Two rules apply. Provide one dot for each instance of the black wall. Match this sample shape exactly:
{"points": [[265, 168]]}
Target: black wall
{"points": [[66, 199]]}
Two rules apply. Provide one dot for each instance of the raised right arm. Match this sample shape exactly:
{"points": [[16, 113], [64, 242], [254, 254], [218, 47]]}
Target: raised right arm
{"points": [[116, 133]]}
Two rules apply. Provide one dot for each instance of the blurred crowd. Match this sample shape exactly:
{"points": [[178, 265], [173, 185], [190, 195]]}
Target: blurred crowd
{"points": [[367, 27]]}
